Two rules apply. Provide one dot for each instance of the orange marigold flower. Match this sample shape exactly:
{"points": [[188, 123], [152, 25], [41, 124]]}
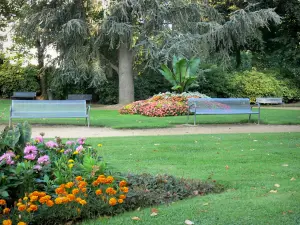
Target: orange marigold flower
{"points": [[101, 176], [19, 203], [123, 183], [78, 200], [43, 200], [71, 197], [83, 202], [120, 200], [7, 222], [101, 180], [83, 189], [50, 203], [6, 210], [42, 194], [59, 190], [112, 201], [34, 198], [79, 178], [124, 189], [82, 184], [33, 207], [62, 186], [85, 195], [109, 179], [122, 196], [69, 184], [21, 207], [2, 202], [58, 201], [95, 183], [75, 191], [110, 191], [22, 223], [98, 192], [48, 197], [65, 199]]}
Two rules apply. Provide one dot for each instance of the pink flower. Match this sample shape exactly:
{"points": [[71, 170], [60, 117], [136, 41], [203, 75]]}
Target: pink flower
{"points": [[44, 160], [30, 149], [30, 156], [79, 148], [39, 139], [81, 141], [51, 144], [37, 167], [8, 157], [67, 151], [70, 142]]}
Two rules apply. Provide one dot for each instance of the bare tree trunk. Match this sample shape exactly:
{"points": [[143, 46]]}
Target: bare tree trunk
{"points": [[126, 87], [43, 83]]}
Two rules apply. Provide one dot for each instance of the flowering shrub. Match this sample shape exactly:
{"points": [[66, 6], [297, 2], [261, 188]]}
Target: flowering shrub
{"points": [[165, 104]]}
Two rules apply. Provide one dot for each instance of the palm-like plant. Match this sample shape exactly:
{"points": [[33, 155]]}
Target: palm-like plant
{"points": [[184, 74]]}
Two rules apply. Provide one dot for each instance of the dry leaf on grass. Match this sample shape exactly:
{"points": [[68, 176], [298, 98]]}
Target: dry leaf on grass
{"points": [[273, 191], [188, 222], [293, 178], [135, 218], [226, 167], [153, 214], [205, 203], [277, 185], [154, 210], [285, 164]]}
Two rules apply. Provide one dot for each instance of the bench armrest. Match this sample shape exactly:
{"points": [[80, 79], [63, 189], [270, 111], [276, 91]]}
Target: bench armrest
{"points": [[88, 108]]}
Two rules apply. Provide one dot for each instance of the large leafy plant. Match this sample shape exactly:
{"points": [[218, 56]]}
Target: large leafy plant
{"points": [[184, 73]]}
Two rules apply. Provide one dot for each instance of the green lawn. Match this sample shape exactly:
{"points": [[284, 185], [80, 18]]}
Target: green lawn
{"points": [[256, 163], [111, 118]]}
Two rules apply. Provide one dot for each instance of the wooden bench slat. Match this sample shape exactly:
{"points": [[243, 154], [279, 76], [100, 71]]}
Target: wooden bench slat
{"points": [[269, 100], [24, 95]]}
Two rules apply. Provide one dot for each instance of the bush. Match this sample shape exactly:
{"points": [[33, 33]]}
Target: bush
{"points": [[15, 77], [165, 104], [252, 84]]}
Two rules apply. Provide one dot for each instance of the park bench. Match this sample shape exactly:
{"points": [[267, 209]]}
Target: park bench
{"points": [[221, 106], [24, 95], [86, 97], [269, 100], [49, 109]]}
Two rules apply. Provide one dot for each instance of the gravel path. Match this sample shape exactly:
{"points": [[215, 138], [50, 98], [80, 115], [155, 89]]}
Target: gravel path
{"points": [[80, 131]]}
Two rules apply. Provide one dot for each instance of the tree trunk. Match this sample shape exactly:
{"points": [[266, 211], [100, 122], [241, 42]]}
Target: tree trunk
{"points": [[238, 57], [42, 76], [126, 87]]}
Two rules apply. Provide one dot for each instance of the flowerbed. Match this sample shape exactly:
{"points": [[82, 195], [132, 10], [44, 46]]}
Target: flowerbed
{"points": [[51, 182], [165, 104]]}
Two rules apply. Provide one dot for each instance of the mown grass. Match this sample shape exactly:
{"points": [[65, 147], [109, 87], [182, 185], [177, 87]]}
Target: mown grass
{"points": [[256, 162], [111, 118]]}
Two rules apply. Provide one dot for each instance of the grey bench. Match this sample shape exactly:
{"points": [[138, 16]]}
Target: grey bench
{"points": [[49, 109], [269, 100], [221, 106], [86, 97], [24, 95]]}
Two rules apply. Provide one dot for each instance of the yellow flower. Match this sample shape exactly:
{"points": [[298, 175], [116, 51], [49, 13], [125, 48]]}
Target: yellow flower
{"points": [[6, 211], [70, 161], [22, 223], [112, 201], [7, 222], [83, 202], [61, 151], [75, 153], [58, 201], [71, 165], [17, 157], [99, 145]]}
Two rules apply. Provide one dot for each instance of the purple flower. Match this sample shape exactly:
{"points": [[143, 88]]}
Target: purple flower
{"points": [[70, 142], [30, 156], [30, 149], [37, 167], [44, 160], [39, 139], [51, 144], [79, 148], [8, 157], [81, 141], [67, 151]]}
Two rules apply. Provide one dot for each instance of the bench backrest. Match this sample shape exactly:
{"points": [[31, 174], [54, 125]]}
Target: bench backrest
{"points": [[80, 97], [269, 100], [24, 94], [219, 105], [48, 108]]}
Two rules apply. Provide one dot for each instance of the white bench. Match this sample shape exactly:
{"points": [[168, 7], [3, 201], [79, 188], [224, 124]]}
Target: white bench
{"points": [[221, 106], [269, 100], [24, 95], [49, 109]]}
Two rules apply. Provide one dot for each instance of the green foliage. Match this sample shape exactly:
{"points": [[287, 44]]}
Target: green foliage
{"points": [[15, 77], [183, 74], [254, 84]]}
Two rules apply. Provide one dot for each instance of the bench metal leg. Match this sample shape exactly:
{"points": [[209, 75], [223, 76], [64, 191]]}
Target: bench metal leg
{"points": [[258, 118], [88, 121], [194, 119], [9, 122], [249, 118]]}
